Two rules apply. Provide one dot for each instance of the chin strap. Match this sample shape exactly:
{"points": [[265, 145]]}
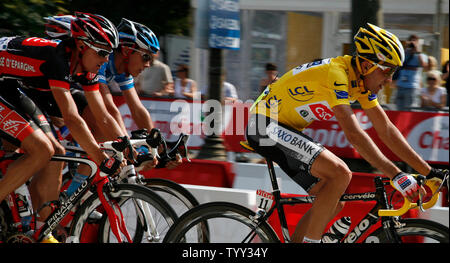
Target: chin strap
{"points": [[358, 65], [80, 56], [126, 59]]}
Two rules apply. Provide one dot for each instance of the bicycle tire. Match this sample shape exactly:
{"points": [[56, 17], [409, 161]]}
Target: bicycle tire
{"points": [[220, 230], [413, 230], [123, 193], [178, 197]]}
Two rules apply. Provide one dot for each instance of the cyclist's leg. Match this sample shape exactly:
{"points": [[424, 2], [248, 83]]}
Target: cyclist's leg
{"points": [[334, 178], [314, 168], [18, 129], [303, 224], [46, 183]]}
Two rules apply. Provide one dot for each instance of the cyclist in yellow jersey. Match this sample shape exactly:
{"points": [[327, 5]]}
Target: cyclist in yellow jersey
{"points": [[321, 90]]}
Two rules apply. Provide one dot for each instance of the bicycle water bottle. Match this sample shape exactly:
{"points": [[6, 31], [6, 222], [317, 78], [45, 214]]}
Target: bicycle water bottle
{"points": [[337, 231], [77, 180], [23, 201]]}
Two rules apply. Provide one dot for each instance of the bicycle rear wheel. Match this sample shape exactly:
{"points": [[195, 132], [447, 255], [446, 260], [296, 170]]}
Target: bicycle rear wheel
{"points": [[228, 223], [176, 195], [132, 200], [413, 231]]}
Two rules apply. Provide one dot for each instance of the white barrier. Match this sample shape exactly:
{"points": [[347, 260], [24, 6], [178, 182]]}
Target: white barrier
{"points": [[250, 177]]}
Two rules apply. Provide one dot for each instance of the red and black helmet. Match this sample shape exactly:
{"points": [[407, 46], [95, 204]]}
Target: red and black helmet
{"points": [[95, 29]]}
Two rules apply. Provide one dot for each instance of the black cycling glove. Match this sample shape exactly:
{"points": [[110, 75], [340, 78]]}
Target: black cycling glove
{"points": [[439, 173], [110, 165]]}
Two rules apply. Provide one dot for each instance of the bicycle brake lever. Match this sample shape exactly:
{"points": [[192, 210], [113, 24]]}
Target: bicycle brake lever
{"points": [[420, 202], [184, 142], [154, 139]]}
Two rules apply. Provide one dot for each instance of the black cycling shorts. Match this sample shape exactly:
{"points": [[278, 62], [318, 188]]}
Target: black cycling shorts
{"points": [[19, 115], [292, 150], [46, 101]]}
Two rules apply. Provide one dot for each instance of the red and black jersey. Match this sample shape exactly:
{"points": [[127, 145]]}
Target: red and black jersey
{"points": [[40, 63]]}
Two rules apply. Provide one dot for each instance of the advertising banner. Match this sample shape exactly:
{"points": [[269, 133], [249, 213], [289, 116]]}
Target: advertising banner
{"points": [[426, 132]]}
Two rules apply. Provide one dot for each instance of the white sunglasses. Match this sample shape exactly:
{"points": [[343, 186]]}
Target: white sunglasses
{"points": [[100, 51]]}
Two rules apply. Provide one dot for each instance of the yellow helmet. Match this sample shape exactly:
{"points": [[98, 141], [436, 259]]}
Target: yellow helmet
{"points": [[379, 46]]}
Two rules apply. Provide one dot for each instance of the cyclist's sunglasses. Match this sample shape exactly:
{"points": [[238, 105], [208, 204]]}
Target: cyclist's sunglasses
{"points": [[100, 51], [388, 71], [145, 56]]}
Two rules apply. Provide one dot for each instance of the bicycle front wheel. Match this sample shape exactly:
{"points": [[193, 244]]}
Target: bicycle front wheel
{"points": [[176, 195], [146, 215], [228, 223], [413, 231]]}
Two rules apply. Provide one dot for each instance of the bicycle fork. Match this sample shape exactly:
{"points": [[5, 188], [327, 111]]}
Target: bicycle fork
{"points": [[147, 217], [114, 213]]}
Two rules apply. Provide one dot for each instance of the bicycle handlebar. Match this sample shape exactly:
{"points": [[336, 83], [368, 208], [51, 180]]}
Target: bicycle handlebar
{"points": [[155, 139], [433, 184]]}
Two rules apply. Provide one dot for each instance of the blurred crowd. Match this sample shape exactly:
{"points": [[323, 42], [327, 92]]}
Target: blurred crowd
{"points": [[158, 81], [420, 84]]}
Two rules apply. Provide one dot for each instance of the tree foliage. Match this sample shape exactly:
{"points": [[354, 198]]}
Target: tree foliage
{"points": [[24, 17], [161, 16]]}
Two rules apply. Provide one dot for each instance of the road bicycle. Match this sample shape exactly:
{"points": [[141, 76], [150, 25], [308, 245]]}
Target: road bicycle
{"points": [[250, 226], [114, 202], [178, 197]]}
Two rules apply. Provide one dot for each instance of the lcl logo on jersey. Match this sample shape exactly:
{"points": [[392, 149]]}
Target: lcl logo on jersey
{"points": [[301, 93], [273, 104]]}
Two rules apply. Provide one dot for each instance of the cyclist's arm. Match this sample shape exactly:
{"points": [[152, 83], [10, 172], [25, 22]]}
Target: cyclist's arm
{"points": [[392, 137], [111, 106], [76, 124], [139, 113], [108, 125], [362, 142]]}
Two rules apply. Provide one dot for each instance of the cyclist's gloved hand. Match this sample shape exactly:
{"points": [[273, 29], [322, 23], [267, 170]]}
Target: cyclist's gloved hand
{"points": [[437, 173], [145, 161], [406, 184], [110, 165]]}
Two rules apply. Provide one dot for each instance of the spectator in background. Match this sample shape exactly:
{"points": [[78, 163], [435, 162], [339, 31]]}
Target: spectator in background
{"points": [[433, 96], [228, 90], [410, 75], [156, 80], [445, 79], [271, 76], [184, 87], [432, 65]]}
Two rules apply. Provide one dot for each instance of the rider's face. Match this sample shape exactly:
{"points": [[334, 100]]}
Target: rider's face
{"points": [[138, 61], [376, 80], [94, 57]]}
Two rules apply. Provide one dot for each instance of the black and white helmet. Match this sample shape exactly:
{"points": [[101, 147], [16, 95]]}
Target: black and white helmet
{"points": [[58, 26], [95, 29], [135, 34]]}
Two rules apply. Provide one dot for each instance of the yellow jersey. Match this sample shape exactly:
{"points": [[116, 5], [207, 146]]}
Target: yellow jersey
{"points": [[310, 91]]}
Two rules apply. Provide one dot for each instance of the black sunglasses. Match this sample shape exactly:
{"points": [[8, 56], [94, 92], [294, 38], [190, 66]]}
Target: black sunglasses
{"points": [[145, 56], [431, 78]]}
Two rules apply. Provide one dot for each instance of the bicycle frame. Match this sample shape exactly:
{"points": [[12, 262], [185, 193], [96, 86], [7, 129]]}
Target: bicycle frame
{"points": [[354, 234], [146, 216], [66, 205]]}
